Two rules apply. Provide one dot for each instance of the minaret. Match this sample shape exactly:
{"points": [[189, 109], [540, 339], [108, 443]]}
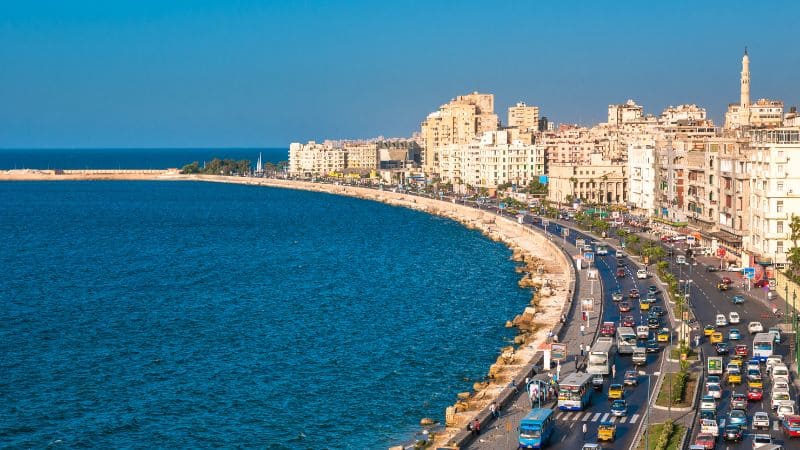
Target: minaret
{"points": [[744, 111]]}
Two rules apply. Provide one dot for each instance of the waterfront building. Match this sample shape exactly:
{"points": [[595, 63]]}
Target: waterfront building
{"points": [[361, 155], [457, 122], [313, 159], [601, 181]]}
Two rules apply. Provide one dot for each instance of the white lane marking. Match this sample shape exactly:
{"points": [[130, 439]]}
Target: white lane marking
{"points": [[596, 416], [622, 420], [634, 419], [605, 417], [613, 419], [586, 416]]}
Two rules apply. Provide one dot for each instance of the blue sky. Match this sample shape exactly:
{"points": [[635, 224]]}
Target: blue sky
{"points": [[245, 73]]}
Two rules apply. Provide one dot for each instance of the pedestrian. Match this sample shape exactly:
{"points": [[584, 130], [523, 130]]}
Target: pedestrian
{"points": [[581, 350], [583, 329], [527, 382], [555, 338], [476, 427], [493, 410], [513, 384], [613, 371], [584, 430]]}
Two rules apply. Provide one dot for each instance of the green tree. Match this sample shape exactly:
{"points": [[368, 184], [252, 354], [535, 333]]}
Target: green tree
{"points": [[193, 167], [794, 252]]}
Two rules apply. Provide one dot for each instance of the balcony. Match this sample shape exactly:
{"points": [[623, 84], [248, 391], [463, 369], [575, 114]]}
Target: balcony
{"points": [[776, 215]]}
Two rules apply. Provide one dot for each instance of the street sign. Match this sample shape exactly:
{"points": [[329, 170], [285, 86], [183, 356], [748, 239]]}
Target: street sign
{"points": [[565, 232], [580, 243], [721, 252], [558, 352], [686, 315], [545, 223], [750, 272], [592, 274], [589, 256], [587, 304]]}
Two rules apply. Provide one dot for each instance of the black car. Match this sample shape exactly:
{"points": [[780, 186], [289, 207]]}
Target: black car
{"points": [[733, 433], [722, 348], [657, 310], [653, 323], [652, 289], [652, 346], [708, 414]]}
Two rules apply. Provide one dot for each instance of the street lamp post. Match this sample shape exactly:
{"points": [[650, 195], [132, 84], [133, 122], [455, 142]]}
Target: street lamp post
{"points": [[794, 328], [786, 300]]}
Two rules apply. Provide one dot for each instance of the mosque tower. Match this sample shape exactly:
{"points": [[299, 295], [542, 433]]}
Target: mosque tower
{"points": [[744, 110]]}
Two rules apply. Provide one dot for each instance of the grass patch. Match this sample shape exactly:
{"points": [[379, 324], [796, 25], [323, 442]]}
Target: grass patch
{"points": [[681, 391], [674, 440], [675, 353]]}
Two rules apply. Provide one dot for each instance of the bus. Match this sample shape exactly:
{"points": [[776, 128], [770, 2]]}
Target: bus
{"points": [[626, 340], [600, 358], [602, 249], [536, 428], [575, 391], [762, 346]]}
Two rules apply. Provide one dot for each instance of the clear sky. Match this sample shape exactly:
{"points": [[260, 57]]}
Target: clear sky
{"points": [[245, 73]]}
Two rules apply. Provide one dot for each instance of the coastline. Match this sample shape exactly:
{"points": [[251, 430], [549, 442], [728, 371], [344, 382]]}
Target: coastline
{"points": [[544, 268]]}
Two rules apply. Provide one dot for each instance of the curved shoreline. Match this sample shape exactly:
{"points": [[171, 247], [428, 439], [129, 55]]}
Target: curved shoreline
{"points": [[529, 247]]}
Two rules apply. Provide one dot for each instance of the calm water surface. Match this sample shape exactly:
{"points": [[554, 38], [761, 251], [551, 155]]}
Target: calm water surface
{"points": [[157, 314]]}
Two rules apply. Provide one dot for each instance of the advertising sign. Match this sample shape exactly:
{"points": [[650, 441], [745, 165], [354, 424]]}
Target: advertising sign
{"points": [[587, 304], [558, 352], [565, 232]]}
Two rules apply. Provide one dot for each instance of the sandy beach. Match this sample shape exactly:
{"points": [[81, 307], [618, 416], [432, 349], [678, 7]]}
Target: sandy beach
{"points": [[542, 265]]}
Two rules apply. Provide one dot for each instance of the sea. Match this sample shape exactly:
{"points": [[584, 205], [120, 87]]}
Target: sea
{"points": [[192, 315]]}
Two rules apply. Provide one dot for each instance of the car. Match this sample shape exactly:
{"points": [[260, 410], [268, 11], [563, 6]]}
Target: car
{"points": [[709, 426], [619, 408], [780, 385], [755, 394], [657, 310], [755, 383], [708, 403], [716, 337], [712, 380], [708, 330], [628, 321], [615, 391], [680, 259], [651, 297], [597, 381], [753, 364], [790, 425], [762, 441], [663, 335], [761, 283], [733, 318], [776, 334], [732, 433], [607, 431], [608, 329], [644, 305], [773, 361], [652, 289], [726, 280], [710, 268], [786, 409], [737, 417], [738, 401], [734, 375], [761, 420], [734, 334], [738, 299], [653, 323], [641, 274], [642, 332], [779, 372], [708, 414], [666, 238], [779, 398], [652, 346], [633, 293], [620, 273], [625, 306], [631, 378], [722, 348], [616, 296], [755, 327], [722, 286], [705, 440], [714, 391], [741, 350], [721, 320]]}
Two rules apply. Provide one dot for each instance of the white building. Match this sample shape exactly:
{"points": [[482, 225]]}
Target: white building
{"points": [[315, 159], [642, 175]]}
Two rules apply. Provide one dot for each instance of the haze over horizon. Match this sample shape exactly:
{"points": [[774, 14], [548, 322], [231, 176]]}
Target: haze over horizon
{"points": [[260, 74]]}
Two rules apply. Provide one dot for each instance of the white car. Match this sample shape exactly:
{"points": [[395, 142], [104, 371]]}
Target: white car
{"points": [[761, 420], [714, 391], [786, 409], [780, 372], [761, 440], [709, 426], [733, 317], [780, 385], [755, 327], [772, 361], [780, 398], [641, 274], [721, 320]]}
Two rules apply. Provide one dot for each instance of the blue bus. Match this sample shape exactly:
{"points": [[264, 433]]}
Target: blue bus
{"points": [[575, 391], [536, 428], [763, 346]]}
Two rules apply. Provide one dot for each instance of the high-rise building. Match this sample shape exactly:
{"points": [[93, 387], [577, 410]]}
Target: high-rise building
{"points": [[523, 117], [625, 113]]}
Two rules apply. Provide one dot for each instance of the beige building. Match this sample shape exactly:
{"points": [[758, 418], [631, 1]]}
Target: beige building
{"points": [[763, 113], [361, 155], [313, 159], [523, 117], [733, 156], [457, 122], [599, 182], [627, 112], [682, 114]]}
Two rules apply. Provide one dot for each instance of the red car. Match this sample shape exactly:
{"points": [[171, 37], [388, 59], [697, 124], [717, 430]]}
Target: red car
{"points": [[633, 293], [706, 441], [608, 329], [755, 394], [791, 425], [740, 350], [727, 280], [761, 283], [624, 306], [628, 321], [621, 273]]}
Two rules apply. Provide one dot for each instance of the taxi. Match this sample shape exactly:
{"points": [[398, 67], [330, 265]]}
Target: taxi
{"points": [[607, 431], [663, 335], [734, 375], [644, 306], [615, 391], [753, 382], [708, 330], [716, 337]]}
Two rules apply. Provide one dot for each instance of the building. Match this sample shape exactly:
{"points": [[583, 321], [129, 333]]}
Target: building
{"points": [[763, 113], [682, 114], [601, 182], [733, 157], [457, 122], [642, 176], [361, 155], [628, 112], [314, 159], [774, 193], [523, 117]]}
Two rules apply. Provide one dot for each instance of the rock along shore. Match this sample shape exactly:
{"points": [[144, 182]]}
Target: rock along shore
{"points": [[543, 267]]}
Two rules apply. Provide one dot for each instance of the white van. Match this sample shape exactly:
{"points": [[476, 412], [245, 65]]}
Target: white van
{"points": [[639, 356]]}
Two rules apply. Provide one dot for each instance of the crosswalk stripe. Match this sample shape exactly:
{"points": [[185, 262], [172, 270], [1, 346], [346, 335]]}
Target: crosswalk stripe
{"points": [[586, 416], [613, 419], [605, 417], [622, 420], [634, 419], [570, 416], [596, 416]]}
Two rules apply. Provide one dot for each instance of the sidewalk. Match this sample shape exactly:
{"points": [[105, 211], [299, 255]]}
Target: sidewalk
{"points": [[501, 434]]}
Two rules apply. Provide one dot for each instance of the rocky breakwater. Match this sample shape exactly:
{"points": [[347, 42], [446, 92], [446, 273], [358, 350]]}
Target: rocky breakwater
{"points": [[543, 268]]}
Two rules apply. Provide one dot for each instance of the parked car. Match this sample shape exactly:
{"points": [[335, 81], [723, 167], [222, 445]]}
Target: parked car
{"points": [[738, 299], [755, 327]]}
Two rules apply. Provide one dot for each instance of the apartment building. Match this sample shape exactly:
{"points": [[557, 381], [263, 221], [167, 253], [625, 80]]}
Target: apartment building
{"points": [[641, 163], [601, 181], [313, 159], [523, 117]]}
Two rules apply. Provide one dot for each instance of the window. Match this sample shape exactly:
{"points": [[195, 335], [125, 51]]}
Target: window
{"points": [[780, 186], [780, 226], [779, 246], [779, 207]]}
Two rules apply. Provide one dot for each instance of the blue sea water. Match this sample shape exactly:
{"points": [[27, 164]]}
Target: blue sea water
{"points": [[129, 158], [185, 314]]}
